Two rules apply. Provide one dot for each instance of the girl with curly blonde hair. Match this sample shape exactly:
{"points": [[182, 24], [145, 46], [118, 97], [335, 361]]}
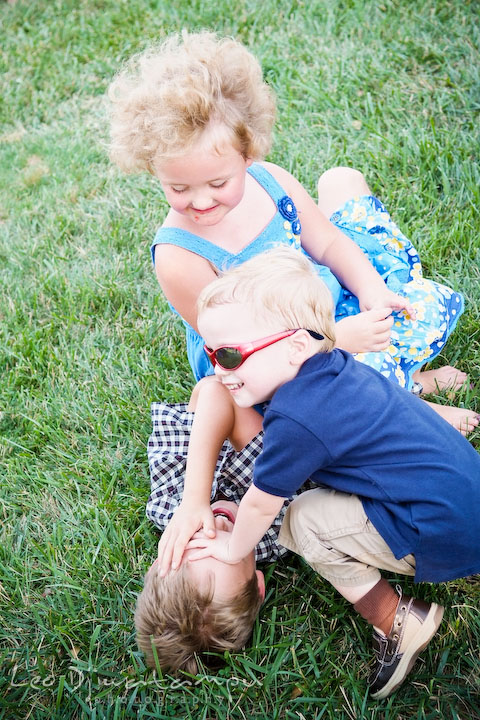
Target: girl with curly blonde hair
{"points": [[196, 113]]}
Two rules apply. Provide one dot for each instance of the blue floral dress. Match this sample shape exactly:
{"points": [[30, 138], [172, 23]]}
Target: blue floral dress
{"points": [[366, 221]]}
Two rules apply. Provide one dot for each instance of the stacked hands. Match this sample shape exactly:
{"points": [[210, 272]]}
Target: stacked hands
{"points": [[194, 528], [369, 331]]}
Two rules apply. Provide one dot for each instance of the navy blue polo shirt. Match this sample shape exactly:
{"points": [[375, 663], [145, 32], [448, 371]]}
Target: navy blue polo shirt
{"points": [[343, 425]]}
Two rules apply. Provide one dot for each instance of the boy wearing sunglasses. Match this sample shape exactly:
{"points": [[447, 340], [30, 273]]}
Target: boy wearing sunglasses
{"points": [[398, 488]]}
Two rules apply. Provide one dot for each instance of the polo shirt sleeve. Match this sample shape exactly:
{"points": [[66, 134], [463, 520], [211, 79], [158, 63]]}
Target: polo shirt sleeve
{"points": [[291, 453]]}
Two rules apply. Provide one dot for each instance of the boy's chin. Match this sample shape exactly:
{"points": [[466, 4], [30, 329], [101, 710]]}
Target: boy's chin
{"points": [[242, 402], [249, 402]]}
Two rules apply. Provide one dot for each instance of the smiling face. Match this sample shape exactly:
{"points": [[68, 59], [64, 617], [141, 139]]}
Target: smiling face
{"points": [[204, 184], [258, 378]]}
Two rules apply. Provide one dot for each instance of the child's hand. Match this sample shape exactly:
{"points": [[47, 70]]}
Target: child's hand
{"points": [[186, 521], [218, 547], [382, 298], [366, 332]]}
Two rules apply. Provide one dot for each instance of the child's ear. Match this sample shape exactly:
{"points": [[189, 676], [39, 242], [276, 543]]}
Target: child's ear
{"points": [[261, 583], [300, 347]]}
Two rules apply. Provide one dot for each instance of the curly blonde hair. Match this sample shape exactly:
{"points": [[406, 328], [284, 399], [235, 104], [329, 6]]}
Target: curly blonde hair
{"points": [[166, 97], [281, 285], [177, 622]]}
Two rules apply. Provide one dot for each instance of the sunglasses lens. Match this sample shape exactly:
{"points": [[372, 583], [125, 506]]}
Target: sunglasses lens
{"points": [[228, 358]]}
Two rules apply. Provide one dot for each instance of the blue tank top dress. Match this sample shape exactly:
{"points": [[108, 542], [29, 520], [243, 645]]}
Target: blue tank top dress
{"points": [[366, 221]]}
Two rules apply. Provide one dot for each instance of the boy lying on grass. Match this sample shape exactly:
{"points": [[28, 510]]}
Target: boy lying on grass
{"points": [[398, 491], [210, 605]]}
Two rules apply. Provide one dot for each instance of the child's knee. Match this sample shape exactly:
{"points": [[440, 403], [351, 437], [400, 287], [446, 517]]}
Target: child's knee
{"points": [[207, 386], [342, 177], [297, 521], [338, 185]]}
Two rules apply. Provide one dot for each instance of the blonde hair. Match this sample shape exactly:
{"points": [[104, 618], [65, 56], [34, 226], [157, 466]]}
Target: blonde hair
{"points": [[282, 287], [176, 621], [166, 97]]}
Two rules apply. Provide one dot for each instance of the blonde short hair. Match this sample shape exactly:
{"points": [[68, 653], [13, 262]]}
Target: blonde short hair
{"points": [[166, 97], [180, 621], [282, 287]]}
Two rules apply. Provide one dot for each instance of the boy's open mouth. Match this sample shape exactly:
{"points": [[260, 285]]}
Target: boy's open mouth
{"points": [[233, 386], [224, 513]]}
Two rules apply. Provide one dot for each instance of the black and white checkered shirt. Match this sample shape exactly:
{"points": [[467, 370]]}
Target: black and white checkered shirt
{"points": [[167, 458]]}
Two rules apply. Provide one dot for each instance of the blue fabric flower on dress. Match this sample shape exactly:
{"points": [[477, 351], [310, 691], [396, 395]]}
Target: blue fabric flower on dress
{"points": [[292, 225], [296, 227], [287, 208]]}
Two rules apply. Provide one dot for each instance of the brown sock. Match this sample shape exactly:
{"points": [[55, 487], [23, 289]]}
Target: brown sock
{"points": [[379, 606]]}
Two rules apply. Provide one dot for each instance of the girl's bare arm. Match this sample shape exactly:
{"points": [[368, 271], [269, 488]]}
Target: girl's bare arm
{"points": [[329, 246], [182, 276]]}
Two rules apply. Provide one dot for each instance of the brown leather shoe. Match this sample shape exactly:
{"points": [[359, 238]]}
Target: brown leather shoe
{"points": [[415, 623]]}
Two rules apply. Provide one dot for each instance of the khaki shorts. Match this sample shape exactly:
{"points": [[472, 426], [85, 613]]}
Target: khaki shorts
{"points": [[331, 531]]}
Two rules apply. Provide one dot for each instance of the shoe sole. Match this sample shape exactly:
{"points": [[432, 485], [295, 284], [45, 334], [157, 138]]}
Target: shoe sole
{"points": [[427, 631]]}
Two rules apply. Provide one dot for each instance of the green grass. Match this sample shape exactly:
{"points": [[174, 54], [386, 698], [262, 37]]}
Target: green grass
{"points": [[87, 342]]}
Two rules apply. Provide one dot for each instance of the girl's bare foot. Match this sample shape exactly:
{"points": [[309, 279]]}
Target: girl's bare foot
{"points": [[463, 420], [444, 378]]}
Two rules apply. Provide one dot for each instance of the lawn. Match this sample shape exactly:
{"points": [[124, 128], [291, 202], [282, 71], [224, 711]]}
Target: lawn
{"points": [[87, 342]]}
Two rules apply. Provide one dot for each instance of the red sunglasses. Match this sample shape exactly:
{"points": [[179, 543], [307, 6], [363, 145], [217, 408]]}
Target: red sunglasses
{"points": [[231, 357]]}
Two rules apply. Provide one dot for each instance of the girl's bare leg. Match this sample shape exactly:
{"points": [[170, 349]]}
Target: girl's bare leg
{"points": [[336, 186]]}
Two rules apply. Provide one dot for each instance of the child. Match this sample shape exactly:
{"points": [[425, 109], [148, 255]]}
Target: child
{"points": [[196, 114], [399, 487], [205, 606]]}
